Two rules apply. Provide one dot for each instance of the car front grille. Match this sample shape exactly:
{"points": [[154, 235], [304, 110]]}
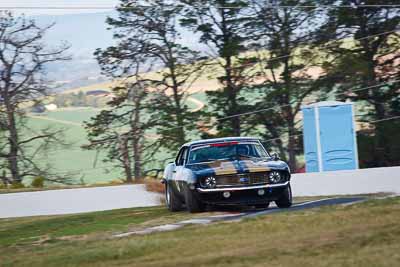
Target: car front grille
{"points": [[242, 179]]}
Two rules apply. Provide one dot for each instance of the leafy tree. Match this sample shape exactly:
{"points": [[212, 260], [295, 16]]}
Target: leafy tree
{"points": [[147, 40], [374, 60], [23, 60], [289, 67], [222, 27], [151, 32], [121, 129]]}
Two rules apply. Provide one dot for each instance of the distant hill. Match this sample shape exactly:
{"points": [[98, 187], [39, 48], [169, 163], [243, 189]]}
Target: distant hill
{"points": [[85, 33]]}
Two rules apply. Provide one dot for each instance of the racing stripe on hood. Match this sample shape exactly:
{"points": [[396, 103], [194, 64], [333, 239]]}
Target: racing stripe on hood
{"points": [[223, 167], [250, 166]]}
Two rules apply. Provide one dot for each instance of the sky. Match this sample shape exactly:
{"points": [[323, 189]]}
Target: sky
{"points": [[7, 4], [84, 30]]}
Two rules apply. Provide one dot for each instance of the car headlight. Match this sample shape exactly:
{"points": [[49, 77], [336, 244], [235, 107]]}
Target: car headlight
{"points": [[210, 182], [275, 177]]}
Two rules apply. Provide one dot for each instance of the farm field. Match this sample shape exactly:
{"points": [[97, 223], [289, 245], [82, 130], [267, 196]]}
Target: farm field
{"points": [[82, 164], [72, 158], [364, 234]]}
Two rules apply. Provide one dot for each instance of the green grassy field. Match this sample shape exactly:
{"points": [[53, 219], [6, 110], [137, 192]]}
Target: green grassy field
{"points": [[73, 159], [364, 234]]}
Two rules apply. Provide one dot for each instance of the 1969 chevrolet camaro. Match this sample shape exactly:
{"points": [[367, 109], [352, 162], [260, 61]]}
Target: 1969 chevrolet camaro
{"points": [[226, 171]]}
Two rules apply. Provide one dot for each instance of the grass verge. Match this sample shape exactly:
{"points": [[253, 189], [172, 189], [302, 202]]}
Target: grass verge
{"points": [[364, 234]]}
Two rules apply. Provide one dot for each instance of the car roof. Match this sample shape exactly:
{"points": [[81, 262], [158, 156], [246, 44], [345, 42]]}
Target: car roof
{"points": [[220, 140]]}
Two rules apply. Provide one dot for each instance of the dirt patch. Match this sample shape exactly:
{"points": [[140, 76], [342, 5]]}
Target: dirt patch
{"points": [[73, 238], [154, 185]]}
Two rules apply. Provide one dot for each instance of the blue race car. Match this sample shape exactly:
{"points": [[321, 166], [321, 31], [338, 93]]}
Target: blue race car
{"points": [[226, 171]]}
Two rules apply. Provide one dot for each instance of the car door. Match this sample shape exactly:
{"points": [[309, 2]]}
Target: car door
{"points": [[179, 174]]}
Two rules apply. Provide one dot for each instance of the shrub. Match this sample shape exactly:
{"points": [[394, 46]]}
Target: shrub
{"points": [[116, 182], [17, 185], [38, 182]]}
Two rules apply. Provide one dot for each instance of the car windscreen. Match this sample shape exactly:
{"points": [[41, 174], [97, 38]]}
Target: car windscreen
{"points": [[226, 151]]}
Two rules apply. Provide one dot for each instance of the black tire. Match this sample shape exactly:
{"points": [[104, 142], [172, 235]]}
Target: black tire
{"points": [[171, 200], [285, 200], [262, 206], [193, 204]]}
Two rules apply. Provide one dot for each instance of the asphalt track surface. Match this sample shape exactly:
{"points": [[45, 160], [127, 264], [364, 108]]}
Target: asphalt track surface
{"points": [[232, 215]]}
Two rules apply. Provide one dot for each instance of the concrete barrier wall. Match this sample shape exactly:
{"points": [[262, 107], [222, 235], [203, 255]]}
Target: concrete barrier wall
{"points": [[115, 197], [361, 181], [68, 201]]}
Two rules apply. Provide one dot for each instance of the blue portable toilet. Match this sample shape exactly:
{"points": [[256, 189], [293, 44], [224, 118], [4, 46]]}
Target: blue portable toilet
{"points": [[329, 136]]}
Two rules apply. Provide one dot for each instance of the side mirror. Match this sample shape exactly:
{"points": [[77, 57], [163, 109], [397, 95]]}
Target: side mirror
{"points": [[275, 156]]}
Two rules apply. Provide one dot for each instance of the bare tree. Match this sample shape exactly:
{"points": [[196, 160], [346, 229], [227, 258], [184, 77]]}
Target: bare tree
{"points": [[23, 61], [120, 130]]}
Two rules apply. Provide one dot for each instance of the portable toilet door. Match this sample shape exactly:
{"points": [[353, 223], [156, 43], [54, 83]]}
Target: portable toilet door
{"points": [[310, 140], [329, 137]]}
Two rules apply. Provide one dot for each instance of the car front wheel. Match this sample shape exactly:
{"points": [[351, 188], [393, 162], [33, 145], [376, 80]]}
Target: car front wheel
{"points": [[172, 201], [193, 204], [285, 200]]}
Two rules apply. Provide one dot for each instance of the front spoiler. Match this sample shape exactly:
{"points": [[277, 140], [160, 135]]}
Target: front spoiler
{"points": [[239, 188]]}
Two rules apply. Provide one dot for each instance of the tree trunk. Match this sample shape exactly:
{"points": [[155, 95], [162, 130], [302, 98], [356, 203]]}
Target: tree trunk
{"points": [[126, 159], [380, 157], [178, 113], [180, 134], [137, 156], [380, 146], [235, 121], [230, 85], [137, 152], [137, 134], [232, 94], [4, 178], [287, 77], [270, 128], [292, 146], [14, 148]]}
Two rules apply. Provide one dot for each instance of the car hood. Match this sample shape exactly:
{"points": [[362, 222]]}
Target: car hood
{"points": [[236, 166]]}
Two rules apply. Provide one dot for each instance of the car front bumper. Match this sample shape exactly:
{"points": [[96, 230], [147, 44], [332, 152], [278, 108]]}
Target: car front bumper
{"points": [[242, 195], [240, 188]]}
